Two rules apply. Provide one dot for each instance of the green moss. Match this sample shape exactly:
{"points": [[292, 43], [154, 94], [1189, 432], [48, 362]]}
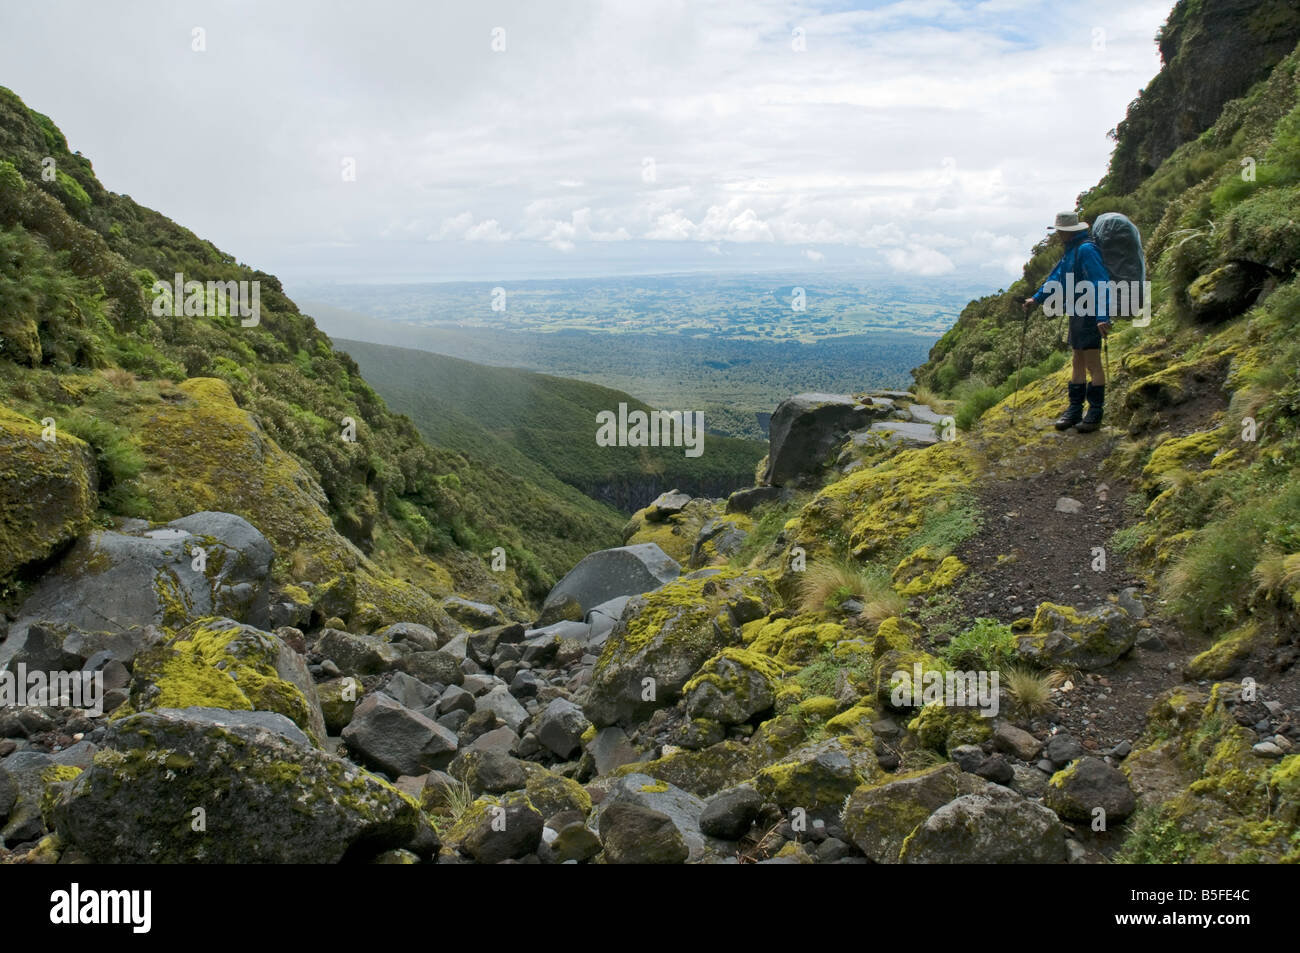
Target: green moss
{"points": [[941, 727], [1225, 656]]}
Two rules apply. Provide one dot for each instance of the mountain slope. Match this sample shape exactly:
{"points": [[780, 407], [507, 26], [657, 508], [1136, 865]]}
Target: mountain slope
{"points": [[549, 420], [84, 341]]}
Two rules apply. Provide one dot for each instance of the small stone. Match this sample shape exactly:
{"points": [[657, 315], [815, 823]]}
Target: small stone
{"points": [[1267, 749], [1066, 504]]}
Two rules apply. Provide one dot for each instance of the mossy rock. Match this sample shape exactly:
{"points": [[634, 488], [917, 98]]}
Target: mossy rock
{"points": [[219, 663], [551, 793], [878, 817], [820, 776], [702, 772], [187, 786], [942, 727], [1064, 636], [47, 490], [666, 636], [338, 700], [1226, 656], [792, 641], [733, 686]]}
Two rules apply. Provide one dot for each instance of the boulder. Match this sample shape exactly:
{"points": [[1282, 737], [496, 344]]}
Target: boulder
{"points": [[492, 832], [666, 636], [47, 490], [221, 663], [1016, 741], [1087, 784], [358, 654], [501, 703], [476, 615], [266, 796], [733, 687], [878, 818], [818, 777], [666, 505], [805, 429], [994, 826], [731, 813], [115, 582], [744, 501], [409, 691], [1061, 636], [395, 739], [719, 539], [609, 573], [682, 808], [560, 727], [631, 834]]}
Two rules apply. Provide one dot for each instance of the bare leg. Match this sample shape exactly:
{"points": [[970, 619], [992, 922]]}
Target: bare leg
{"points": [[1091, 359], [1080, 375]]}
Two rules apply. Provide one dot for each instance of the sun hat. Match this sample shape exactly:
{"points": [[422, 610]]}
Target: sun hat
{"points": [[1067, 222]]}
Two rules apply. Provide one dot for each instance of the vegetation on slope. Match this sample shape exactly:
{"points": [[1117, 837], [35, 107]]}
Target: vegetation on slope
{"points": [[79, 342], [551, 422]]}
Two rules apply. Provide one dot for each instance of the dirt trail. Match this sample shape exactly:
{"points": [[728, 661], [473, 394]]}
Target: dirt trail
{"points": [[1028, 552]]}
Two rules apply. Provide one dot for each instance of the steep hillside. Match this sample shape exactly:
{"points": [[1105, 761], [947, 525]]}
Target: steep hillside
{"points": [[550, 421], [81, 343]]}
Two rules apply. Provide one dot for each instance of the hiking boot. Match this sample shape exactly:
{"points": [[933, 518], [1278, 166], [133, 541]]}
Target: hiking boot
{"points": [[1074, 413], [1092, 419]]}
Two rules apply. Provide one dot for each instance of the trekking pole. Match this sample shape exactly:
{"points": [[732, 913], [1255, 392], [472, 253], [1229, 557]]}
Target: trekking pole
{"points": [[1020, 360]]}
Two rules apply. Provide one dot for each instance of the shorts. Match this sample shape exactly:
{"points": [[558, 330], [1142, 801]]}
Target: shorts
{"points": [[1084, 335]]}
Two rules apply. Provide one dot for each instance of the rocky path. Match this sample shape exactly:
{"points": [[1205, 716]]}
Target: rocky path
{"points": [[1039, 542]]}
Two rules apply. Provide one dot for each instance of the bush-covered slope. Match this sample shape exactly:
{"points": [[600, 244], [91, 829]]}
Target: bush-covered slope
{"points": [[80, 343], [551, 421]]}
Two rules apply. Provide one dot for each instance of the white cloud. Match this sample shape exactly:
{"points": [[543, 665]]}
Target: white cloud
{"points": [[919, 260], [936, 135], [813, 255]]}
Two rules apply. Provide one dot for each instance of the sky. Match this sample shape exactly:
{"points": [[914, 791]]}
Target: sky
{"points": [[428, 141]]}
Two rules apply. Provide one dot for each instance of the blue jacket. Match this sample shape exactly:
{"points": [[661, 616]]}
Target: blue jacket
{"points": [[1083, 260]]}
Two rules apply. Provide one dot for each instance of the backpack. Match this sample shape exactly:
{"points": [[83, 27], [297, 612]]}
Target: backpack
{"points": [[1120, 245]]}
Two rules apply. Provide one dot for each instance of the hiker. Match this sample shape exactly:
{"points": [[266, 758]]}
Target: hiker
{"points": [[1079, 280]]}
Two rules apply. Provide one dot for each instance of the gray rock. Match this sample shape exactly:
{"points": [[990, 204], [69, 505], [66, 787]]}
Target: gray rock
{"points": [[287, 803], [1066, 504], [409, 692], [682, 808], [488, 772], [996, 826], [421, 637], [1083, 640], [996, 769], [482, 645], [745, 501], [500, 702], [526, 684], [717, 537], [1016, 741], [560, 727], [666, 505], [1088, 784], [904, 434], [1028, 781], [610, 573], [803, 431], [432, 667], [1061, 749], [455, 698], [508, 831], [476, 615], [878, 818], [610, 749], [502, 740], [397, 740], [967, 757], [686, 633], [357, 654], [118, 582], [632, 834], [731, 813], [728, 691]]}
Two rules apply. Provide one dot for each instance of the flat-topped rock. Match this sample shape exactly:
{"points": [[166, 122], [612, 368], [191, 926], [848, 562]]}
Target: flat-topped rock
{"points": [[611, 573], [806, 427]]}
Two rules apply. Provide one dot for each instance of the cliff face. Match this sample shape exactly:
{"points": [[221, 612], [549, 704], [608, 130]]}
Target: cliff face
{"points": [[1213, 52]]}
